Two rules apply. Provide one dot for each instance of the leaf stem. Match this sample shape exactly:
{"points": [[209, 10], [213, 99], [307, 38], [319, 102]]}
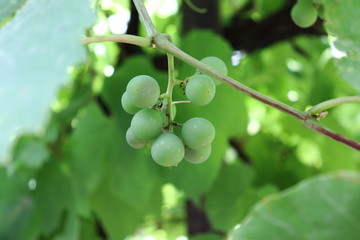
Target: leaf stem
{"points": [[332, 103], [122, 38]]}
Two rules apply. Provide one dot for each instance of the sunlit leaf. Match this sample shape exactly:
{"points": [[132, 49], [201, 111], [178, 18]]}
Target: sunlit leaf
{"points": [[36, 48], [341, 17], [8, 7]]}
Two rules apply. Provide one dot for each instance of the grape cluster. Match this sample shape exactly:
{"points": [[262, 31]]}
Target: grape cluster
{"points": [[304, 13], [151, 122]]}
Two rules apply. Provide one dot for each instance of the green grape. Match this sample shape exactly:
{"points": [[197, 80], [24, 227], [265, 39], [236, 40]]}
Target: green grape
{"points": [[143, 91], [197, 133], [127, 105], [133, 141], [146, 124], [168, 150], [304, 13], [200, 89], [216, 64], [199, 155]]}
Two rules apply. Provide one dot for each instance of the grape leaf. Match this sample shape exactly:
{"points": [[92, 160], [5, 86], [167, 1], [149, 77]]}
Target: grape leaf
{"points": [[18, 212], [7, 7], [323, 207], [88, 230], [118, 218], [206, 236], [36, 48], [232, 182], [88, 150], [54, 194], [339, 14], [71, 229], [30, 151]]}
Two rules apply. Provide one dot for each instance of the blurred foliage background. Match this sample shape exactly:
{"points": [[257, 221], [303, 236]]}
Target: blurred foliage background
{"points": [[66, 171]]}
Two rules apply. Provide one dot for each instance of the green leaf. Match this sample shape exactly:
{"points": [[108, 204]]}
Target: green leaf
{"points": [[88, 230], [8, 7], [88, 149], [18, 212], [350, 69], [98, 146], [31, 151], [37, 47], [274, 162], [206, 236], [54, 194], [265, 8], [134, 177], [320, 208], [71, 229], [117, 217], [232, 182], [342, 23]]}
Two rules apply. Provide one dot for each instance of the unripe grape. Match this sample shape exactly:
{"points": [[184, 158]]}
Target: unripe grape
{"points": [[200, 89], [133, 141], [199, 155], [304, 14], [197, 133], [143, 91], [146, 124], [217, 64], [167, 150], [127, 105]]}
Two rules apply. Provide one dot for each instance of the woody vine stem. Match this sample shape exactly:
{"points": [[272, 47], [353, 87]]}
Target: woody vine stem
{"points": [[161, 41]]}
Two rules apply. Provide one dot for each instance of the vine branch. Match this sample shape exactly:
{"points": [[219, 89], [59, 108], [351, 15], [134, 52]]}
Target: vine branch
{"points": [[166, 46], [309, 122], [145, 18], [162, 42]]}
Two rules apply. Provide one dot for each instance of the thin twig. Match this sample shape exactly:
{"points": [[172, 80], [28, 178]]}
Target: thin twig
{"points": [[318, 108]]}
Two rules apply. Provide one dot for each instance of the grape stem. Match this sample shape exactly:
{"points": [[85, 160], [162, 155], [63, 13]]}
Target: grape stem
{"points": [[169, 90], [162, 42], [177, 102], [122, 38]]}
